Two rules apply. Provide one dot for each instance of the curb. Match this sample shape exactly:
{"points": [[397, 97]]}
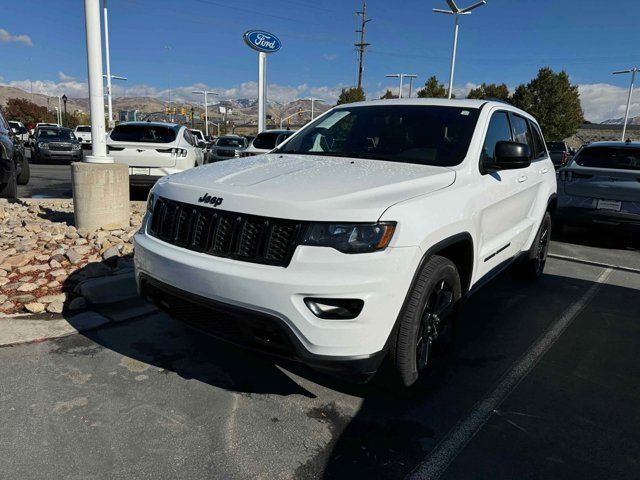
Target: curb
{"points": [[22, 330]]}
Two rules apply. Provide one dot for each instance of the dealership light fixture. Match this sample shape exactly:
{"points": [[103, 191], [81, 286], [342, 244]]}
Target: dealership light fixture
{"points": [[633, 72], [456, 12]]}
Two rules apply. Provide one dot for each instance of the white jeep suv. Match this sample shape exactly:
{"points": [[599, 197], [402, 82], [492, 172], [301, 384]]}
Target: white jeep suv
{"points": [[356, 239], [153, 150]]}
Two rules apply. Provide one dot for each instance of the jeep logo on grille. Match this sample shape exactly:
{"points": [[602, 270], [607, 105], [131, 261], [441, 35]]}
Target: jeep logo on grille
{"points": [[206, 198]]}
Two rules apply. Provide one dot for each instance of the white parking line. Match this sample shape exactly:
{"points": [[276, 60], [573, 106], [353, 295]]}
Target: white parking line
{"points": [[458, 437], [592, 263]]}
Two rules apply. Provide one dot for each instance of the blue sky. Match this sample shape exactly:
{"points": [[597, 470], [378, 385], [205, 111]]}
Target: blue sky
{"points": [[162, 43]]}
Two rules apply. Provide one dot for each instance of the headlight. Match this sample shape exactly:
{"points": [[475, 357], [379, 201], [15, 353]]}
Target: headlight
{"points": [[43, 146], [350, 237], [151, 200]]}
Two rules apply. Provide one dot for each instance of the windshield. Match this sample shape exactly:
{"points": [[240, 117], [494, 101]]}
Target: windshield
{"points": [[45, 134], [267, 140], [426, 135], [556, 147], [618, 158], [143, 134], [230, 142], [83, 129]]}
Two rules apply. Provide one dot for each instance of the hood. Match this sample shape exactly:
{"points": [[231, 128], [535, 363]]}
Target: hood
{"points": [[305, 187]]}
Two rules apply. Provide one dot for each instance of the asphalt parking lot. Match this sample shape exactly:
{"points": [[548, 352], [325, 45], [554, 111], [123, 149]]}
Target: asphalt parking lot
{"points": [[54, 181], [541, 383]]}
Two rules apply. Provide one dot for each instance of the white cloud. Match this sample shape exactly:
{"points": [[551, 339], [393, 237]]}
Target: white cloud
{"points": [[276, 92], [7, 37], [602, 101], [64, 77], [329, 56]]}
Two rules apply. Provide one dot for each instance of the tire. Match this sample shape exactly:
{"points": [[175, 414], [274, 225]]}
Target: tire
{"points": [[427, 320], [533, 266], [9, 189], [25, 173]]}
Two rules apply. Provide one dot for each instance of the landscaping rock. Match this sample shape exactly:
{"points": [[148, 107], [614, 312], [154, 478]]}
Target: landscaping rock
{"points": [[55, 307], [27, 287], [35, 307]]}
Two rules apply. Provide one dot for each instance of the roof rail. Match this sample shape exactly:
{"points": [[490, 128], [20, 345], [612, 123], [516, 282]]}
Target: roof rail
{"points": [[499, 100]]}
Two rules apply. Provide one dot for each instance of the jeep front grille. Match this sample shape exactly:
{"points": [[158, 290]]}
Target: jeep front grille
{"points": [[220, 233]]}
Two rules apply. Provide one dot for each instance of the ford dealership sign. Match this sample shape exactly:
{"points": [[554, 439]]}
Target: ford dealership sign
{"points": [[262, 41]]}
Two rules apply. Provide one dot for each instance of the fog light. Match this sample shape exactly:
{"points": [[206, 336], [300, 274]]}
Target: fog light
{"points": [[334, 308]]}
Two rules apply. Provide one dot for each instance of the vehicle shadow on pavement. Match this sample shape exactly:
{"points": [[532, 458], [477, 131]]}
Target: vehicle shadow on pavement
{"points": [[607, 238], [392, 434], [392, 431]]}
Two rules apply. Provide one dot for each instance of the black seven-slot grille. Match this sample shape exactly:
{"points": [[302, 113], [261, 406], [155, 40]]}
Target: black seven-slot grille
{"points": [[226, 234]]}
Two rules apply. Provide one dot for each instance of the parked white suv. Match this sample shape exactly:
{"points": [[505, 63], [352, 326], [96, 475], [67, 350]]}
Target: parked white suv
{"points": [[358, 238], [266, 141], [153, 150], [83, 134]]}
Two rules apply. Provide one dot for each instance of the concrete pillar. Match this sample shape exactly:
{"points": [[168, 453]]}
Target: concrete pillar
{"points": [[100, 195]]}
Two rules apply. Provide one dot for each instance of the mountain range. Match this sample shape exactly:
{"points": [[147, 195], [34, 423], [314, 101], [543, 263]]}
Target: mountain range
{"points": [[620, 121], [242, 108]]}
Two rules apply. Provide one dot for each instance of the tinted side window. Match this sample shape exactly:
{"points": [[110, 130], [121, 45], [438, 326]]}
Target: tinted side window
{"points": [[499, 131], [521, 133], [189, 137], [538, 143]]}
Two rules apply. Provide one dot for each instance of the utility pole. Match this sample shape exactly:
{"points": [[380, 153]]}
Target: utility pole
{"points": [[633, 72], [362, 44]]}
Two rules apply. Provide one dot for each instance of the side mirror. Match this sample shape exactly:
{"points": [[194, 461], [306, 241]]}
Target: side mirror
{"points": [[201, 144], [509, 156]]}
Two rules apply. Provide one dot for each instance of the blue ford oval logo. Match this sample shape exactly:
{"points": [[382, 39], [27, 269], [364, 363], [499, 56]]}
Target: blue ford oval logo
{"points": [[262, 41]]}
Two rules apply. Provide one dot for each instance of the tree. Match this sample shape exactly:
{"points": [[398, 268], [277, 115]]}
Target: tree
{"points": [[350, 95], [27, 112], [553, 101], [490, 90], [387, 95], [433, 89]]}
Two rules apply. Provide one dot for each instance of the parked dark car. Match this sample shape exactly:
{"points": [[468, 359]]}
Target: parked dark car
{"points": [[225, 147], [52, 144], [601, 187], [559, 152], [14, 169]]}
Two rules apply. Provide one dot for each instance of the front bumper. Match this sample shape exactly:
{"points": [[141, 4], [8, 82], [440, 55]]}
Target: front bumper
{"points": [[250, 329], [380, 279], [53, 155]]}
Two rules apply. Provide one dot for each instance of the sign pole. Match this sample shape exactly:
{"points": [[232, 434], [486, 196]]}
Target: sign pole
{"points": [[262, 91], [264, 43]]}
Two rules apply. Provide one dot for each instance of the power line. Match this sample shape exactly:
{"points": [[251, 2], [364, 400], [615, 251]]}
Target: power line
{"points": [[362, 44]]}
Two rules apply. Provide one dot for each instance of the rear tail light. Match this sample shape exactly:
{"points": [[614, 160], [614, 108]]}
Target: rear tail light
{"points": [[179, 152]]}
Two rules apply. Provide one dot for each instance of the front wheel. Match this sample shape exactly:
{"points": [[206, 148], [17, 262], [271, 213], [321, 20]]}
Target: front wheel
{"points": [[25, 172], [427, 320]]}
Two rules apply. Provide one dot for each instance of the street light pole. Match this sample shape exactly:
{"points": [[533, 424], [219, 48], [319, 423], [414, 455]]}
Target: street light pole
{"points": [[633, 72], [456, 12], [108, 76], [411, 77], [206, 108], [64, 100], [59, 111], [313, 100]]}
